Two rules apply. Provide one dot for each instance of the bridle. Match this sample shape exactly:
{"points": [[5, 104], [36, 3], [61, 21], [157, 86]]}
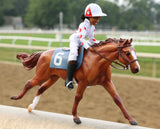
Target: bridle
{"points": [[124, 66], [127, 63]]}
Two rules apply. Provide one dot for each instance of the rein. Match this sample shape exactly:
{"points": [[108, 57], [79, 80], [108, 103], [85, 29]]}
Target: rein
{"points": [[124, 67]]}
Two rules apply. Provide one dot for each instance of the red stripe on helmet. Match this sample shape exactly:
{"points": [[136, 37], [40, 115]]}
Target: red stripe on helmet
{"points": [[88, 12]]}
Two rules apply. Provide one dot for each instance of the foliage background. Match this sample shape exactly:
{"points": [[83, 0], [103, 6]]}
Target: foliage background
{"points": [[134, 15]]}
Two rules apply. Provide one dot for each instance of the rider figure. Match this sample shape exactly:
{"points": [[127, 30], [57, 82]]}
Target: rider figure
{"points": [[86, 29]]}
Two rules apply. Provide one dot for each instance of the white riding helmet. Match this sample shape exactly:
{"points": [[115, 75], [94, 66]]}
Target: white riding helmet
{"points": [[94, 10]]}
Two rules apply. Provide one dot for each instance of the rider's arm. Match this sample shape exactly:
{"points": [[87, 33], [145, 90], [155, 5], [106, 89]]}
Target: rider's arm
{"points": [[83, 32], [91, 37]]}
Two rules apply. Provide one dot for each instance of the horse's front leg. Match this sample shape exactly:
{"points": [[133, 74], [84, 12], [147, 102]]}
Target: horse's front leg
{"points": [[80, 90], [112, 90]]}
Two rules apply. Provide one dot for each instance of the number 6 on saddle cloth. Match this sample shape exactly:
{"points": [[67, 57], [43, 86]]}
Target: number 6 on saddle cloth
{"points": [[59, 58]]}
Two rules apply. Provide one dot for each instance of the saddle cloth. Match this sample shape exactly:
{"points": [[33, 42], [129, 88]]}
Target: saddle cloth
{"points": [[59, 59]]}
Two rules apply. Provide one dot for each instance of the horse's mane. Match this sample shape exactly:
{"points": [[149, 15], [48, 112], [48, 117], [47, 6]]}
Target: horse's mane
{"points": [[109, 40]]}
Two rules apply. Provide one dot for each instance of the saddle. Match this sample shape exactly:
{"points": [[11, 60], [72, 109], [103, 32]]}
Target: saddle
{"points": [[59, 58]]}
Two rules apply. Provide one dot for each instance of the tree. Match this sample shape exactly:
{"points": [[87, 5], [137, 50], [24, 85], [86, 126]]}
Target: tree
{"points": [[112, 11], [6, 9], [12, 8], [76, 9], [45, 13], [20, 7], [1, 19], [156, 13], [138, 15]]}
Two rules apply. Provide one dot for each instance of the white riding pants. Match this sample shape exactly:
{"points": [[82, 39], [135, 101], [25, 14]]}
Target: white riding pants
{"points": [[74, 45]]}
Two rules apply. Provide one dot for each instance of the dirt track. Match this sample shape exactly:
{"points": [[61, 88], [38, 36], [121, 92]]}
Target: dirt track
{"points": [[141, 97]]}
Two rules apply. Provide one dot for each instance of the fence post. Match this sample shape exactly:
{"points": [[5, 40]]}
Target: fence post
{"points": [[14, 41], [154, 68], [49, 43], [61, 26]]}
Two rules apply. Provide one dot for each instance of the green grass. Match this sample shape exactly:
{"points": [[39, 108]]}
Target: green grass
{"points": [[21, 42], [9, 54], [31, 35], [100, 37], [148, 49], [7, 41]]}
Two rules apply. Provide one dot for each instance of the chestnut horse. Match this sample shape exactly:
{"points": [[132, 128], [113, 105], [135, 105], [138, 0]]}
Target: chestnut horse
{"points": [[89, 74]]}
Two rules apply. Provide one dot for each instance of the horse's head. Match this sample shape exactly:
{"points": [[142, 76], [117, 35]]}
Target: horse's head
{"points": [[127, 55]]}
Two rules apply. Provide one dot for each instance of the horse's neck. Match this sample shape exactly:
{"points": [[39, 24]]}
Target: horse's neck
{"points": [[109, 50]]}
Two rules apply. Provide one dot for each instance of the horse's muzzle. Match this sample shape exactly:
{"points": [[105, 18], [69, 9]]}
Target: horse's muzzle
{"points": [[137, 70]]}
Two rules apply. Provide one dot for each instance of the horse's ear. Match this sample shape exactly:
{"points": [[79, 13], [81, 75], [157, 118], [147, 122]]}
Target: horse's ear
{"points": [[126, 41], [130, 41]]}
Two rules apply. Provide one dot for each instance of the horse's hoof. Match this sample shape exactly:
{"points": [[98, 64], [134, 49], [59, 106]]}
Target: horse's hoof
{"points": [[134, 122], [77, 121], [13, 97], [29, 109]]}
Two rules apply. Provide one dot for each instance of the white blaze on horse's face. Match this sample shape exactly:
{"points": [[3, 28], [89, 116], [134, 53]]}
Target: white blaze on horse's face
{"points": [[135, 57]]}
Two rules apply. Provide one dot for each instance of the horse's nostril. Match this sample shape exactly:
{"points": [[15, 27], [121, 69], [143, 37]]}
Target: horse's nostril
{"points": [[137, 70]]}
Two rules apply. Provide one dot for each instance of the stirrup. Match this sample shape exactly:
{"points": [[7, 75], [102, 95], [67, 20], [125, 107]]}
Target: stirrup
{"points": [[69, 85]]}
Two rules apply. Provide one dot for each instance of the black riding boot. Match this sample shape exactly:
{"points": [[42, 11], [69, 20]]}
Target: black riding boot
{"points": [[70, 73]]}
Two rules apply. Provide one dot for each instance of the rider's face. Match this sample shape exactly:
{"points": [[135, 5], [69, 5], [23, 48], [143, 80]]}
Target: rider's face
{"points": [[94, 20]]}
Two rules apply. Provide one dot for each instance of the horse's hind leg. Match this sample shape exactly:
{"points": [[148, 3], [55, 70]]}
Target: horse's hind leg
{"points": [[42, 88], [30, 83], [111, 89]]}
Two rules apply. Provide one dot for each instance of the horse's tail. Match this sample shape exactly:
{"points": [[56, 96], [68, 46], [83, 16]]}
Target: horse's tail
{"points": [[29, 61]]}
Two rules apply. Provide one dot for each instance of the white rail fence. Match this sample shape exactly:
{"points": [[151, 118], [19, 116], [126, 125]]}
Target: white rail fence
{"points": [[138, 40], [30, 39]]}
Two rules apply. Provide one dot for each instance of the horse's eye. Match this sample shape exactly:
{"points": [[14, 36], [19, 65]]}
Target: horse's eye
{"points": [[127, 53]]}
